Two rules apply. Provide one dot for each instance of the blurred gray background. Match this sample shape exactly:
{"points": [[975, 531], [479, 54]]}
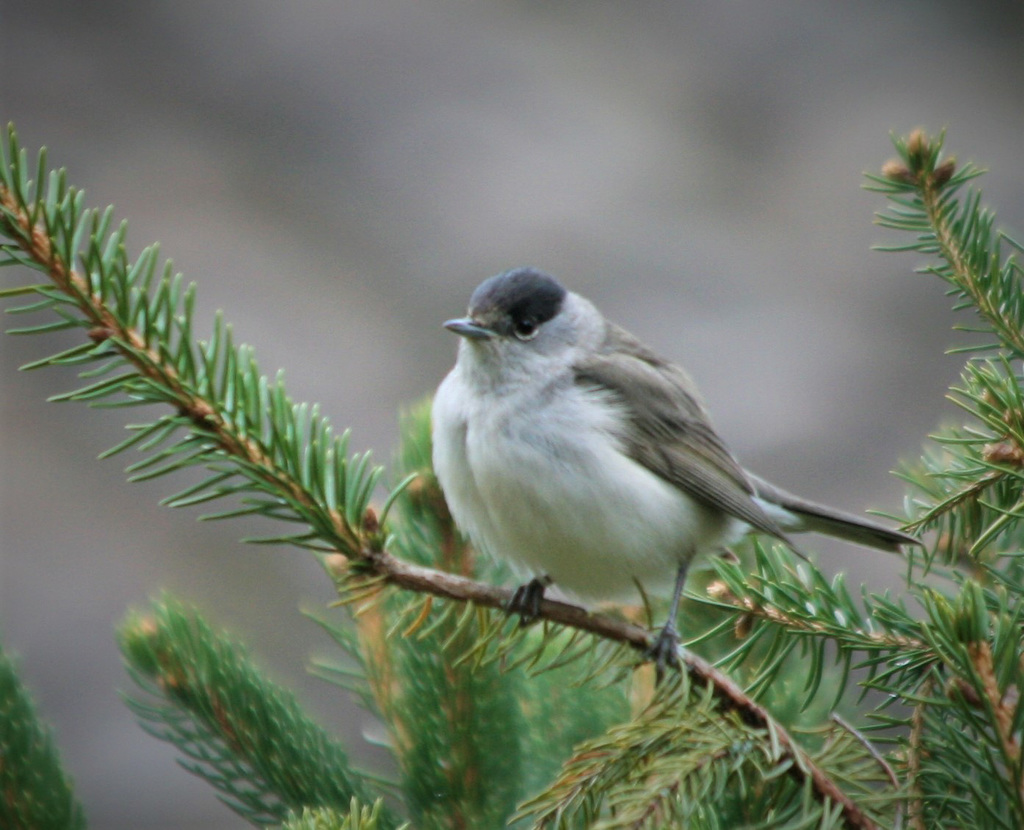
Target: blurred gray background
{"points": [[338, 176]]}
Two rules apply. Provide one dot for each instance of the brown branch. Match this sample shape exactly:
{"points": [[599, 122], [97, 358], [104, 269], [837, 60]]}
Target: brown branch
{"points": [[872, 750], [731, 696], [1001, 706], [915, 751], [424, 580], [723, 597]]}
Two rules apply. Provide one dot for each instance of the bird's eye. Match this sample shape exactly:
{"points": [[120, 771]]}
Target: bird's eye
{"points": [[525, 329]]}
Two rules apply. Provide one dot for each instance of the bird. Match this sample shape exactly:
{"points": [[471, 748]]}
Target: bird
{"points": [[569, 449]]}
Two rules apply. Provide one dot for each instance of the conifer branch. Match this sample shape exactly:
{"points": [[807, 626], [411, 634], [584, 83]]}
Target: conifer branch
{"points": [[245, 736], [277, 458], [979, 467], [358, 817], [671, 765], [730, 696], [915, 810], [34, 789], [412, 577], [152, 363], [969, 265], [804, 768], [755, 605]]}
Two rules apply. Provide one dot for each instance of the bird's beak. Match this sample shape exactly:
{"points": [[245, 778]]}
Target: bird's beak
{"points": [[466, 327]]}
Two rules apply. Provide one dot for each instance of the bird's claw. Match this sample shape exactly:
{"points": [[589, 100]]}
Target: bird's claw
{"points": [[664, 652], [526, 600]]}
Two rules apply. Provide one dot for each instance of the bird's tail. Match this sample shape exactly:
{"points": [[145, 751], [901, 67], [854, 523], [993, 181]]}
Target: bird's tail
{"points": [[796, 514]]}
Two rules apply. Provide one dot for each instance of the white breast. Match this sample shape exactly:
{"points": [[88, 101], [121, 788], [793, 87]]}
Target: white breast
{"points": [[537, 478]]}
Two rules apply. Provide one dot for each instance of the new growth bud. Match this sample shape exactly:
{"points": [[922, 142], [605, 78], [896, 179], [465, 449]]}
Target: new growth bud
{"points": [[897, 171], [944, 172], [917, 149]]}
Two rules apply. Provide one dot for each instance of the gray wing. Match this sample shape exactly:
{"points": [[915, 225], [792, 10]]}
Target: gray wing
{"points": [[669, 431]]}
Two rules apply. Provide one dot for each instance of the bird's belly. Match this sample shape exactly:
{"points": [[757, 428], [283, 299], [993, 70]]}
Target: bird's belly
{"points": [[583, 513]]}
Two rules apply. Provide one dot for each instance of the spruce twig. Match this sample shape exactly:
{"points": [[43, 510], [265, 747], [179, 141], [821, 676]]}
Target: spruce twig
{"points": [[34, 790], [152, 363], [358, 817], [247, 737]]}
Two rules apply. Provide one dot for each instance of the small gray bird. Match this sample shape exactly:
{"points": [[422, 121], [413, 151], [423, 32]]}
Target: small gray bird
{"points": [[567, 447]]}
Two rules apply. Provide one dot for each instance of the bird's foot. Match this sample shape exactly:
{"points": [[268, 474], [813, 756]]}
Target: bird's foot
{"points": [[527, 599], [664, 652]]}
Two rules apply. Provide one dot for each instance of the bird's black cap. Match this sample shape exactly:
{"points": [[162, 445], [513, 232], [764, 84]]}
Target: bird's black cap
{"points": [[522, 295]]}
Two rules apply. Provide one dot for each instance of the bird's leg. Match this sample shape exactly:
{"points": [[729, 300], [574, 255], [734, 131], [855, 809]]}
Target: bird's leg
{"points": [[527, 598], [664, 651]]}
